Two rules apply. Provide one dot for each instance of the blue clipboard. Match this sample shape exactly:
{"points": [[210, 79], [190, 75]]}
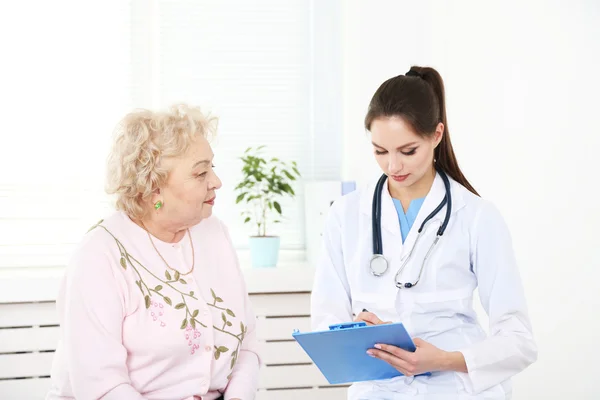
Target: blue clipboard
{"points": [[340, 353]]}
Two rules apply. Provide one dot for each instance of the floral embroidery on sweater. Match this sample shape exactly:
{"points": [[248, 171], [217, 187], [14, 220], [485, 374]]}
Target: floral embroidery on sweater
{"points": [[190, 322], [157, 312], [191, 335]]}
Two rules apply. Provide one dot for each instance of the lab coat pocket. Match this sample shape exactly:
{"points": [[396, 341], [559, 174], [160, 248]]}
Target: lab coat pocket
{"points": [[368, 291], [363, 300], [440, 296]]}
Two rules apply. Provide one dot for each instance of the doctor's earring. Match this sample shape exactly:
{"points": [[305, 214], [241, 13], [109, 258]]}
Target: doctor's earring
{"points": [[158, 205]]}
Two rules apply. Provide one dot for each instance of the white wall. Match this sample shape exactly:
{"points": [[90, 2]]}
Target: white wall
{"points": [[522, 81]]}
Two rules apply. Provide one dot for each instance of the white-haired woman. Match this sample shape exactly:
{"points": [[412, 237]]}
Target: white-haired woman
{"points": [[153, 304]]}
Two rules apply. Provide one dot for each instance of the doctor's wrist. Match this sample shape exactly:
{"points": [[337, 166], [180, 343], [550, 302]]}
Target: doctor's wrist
{"points": [[453, 361]]}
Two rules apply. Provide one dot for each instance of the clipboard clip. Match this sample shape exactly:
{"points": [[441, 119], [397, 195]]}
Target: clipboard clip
{"points": [[347, 325]]}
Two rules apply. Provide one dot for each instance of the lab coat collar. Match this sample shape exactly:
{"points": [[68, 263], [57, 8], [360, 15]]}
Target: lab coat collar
{"points": [[389, 217]]}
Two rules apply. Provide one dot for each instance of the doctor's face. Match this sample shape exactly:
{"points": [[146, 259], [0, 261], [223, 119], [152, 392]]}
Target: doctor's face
{"points": [[403, 156]]}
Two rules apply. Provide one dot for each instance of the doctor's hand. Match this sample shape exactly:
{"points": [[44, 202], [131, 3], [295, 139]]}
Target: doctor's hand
{"points": [[427, 357], [369, 318]]}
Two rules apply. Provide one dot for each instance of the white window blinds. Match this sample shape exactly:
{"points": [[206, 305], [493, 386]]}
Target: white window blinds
{"points": [[64, 79], [74, 69], [249, 63]]}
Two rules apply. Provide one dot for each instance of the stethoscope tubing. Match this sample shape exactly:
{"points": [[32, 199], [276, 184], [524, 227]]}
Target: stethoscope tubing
{"points": [[376, 228]]}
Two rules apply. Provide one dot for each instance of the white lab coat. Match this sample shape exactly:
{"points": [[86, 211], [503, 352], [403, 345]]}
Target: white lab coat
{"points": [[475, 251]]}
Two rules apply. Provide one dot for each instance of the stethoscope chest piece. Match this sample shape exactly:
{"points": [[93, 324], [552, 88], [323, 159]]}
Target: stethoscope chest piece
{"points": [[379, 265]]}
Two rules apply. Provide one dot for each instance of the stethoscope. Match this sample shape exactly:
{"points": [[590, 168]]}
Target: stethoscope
{"points": [[379, 264]]}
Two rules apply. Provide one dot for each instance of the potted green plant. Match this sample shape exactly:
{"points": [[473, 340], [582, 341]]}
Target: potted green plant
{"points": [[263, 183]]}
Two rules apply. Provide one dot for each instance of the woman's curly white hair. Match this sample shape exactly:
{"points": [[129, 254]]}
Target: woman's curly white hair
{"points": [[143, 140]]}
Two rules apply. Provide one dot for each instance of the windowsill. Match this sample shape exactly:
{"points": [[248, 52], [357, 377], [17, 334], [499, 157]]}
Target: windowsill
{"points": [[292, 274]]}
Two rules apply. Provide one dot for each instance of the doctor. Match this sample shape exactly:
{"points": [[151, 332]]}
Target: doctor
{"points": [[412, 248]]}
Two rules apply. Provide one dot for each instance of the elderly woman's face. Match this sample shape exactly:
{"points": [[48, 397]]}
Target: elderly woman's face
{"points": [[189, 194]]}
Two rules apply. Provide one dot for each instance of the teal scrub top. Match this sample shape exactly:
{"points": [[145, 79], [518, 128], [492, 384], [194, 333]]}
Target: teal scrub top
{"points": [[407, 219]]}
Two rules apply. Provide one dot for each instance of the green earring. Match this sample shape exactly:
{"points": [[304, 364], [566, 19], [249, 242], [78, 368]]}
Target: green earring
{"points": [[158, 205]]}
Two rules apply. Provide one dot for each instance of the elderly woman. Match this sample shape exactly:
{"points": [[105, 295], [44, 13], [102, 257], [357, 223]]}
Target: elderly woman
{"points": [[153, 304]]}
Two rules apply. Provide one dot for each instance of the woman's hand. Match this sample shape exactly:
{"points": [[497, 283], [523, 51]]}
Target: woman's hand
{"points": [[369, 318], [427, 358]]}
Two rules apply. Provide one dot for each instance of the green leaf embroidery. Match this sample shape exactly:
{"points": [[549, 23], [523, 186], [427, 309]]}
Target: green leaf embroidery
{"points": [[126, 259], [96, 225]]}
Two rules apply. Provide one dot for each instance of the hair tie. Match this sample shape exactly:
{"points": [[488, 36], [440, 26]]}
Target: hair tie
{"points": [[414, 73]]}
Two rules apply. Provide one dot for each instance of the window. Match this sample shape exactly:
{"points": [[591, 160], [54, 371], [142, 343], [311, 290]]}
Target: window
{"points": [[65, 82], [252, 64]]}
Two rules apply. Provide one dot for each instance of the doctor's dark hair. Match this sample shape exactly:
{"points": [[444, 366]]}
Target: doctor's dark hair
{"points": [[419, 99]]}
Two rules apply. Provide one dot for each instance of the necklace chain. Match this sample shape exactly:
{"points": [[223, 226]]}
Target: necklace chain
{"points": [[165, 261]]}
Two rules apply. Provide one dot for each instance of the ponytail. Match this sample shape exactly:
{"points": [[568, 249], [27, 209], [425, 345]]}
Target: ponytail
{"points": [[444, 152]]}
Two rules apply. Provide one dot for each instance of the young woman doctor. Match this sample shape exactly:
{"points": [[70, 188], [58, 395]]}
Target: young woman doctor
{"points": [[376, 259]]}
